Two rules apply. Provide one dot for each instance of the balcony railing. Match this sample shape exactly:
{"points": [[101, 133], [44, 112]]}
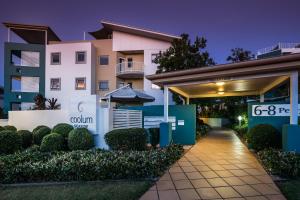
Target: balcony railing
{"points": [[278, 46], [130, 70]]}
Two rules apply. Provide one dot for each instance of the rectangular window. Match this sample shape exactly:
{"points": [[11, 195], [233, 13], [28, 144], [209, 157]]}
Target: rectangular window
{"points": [[103, 60], [80, 83], [153, 57], [55, 58], [55, 84], [80, 57], [25, 58], [103, 85], [25, 84], [130, 63]]}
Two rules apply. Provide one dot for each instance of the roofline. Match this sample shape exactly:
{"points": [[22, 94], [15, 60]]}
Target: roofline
{"points": [[224, 67], [104, 22]]}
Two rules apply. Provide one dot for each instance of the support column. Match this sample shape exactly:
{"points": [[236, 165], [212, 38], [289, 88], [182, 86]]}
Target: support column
{"points": [[262, 98], [294, 98], [8, 34], [166, 104], [187, 101]]}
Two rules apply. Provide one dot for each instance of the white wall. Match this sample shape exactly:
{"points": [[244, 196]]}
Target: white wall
{"points": [[67, 71], [129, 42]]}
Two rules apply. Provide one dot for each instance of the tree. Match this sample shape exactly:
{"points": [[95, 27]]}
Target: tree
{"points": [[239, 55], [40, 102], [184, 55], [53, 104]]}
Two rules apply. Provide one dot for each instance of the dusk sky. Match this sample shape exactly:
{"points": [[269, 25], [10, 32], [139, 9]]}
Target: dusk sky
{"points": [[250, 24]]}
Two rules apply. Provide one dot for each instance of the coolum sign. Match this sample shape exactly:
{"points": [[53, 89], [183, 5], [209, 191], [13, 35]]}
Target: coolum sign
{"points": [[269, 110], [83, 112]]}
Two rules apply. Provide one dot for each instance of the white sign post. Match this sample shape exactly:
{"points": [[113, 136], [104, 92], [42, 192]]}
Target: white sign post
{"points": [[269, 110]]}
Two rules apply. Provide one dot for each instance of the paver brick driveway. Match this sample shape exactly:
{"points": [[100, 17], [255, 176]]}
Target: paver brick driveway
{"points": [[217, 167]]}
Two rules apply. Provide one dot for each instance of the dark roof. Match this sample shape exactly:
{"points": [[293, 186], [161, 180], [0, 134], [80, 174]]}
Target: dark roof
{"points": [[109, 27], [33, 34]]}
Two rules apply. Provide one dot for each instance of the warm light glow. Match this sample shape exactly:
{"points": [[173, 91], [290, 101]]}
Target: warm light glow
{"points": [[240, 118], [221, 92], [220, 83]]}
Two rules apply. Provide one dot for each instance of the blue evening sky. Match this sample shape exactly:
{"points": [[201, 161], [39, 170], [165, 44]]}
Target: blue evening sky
{"points": [[250, 24]]}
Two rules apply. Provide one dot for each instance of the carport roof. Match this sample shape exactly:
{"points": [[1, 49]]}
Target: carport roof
{"points": [[239, 79]]}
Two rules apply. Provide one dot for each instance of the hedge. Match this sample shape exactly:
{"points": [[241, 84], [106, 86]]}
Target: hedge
{"points": [[39, 134], [1, 128], [80, 139], [154, 136], [280, 162], [62, 129], [52, 142], [127, 139], [27, 138], [38, 127], [10, 142], [86, 165], [10, 128]]}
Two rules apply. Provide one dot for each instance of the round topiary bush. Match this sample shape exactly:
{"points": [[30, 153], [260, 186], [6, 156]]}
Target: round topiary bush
{"points": [[10, 128], [80, 139], [39, 134], [62, 129], [26, 138], [1, 128], [263, 136], [52, 142], [127, 139], [10, 142], [38, 127]]}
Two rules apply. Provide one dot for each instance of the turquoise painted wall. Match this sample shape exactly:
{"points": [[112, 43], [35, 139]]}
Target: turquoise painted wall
{"points": [[186, 134], [12, 70]]}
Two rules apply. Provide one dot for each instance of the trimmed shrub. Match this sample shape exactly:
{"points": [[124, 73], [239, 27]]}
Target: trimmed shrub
{"points": [[1, 128], [80, 139], [52, 142], [10, 128], [26, 138], [263, 136], [10, 142], [88, 165], [38, 127], [62, 129], [39, 134], [281, 163], [154, 136], [127, 139]]}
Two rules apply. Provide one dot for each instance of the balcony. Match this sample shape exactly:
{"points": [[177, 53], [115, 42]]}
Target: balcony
{"points": [[130, 70]]}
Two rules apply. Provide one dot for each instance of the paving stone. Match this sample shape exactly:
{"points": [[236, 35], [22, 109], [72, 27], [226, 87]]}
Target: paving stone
{"points": [[150, 195], [217, 182], [227, 192], [200, 183], [224, 173], [183, 184], [209, 174], [208, 193], [265, 189], [193, 175], [188, 194], [168, 195], [246, 190], [234, 181], [165, 185], [178, 176]]}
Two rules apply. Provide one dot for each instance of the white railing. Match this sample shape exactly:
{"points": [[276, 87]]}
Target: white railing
{"points": [[123, 118], [280, 45], [127, 67]]}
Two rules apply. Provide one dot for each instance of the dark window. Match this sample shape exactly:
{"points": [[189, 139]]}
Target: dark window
{"points": [[80, 57], [104, 60], [129, 61], [55, 58], [103, 85], [130, 84], [55, 84]]}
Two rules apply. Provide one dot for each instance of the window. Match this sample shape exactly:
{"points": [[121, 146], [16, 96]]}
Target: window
{"points": [[80, 83], [129, 61], [25, 84], [25, 58], [103, 85], [80, 57], [156, 87], [55, 84], [153, 57], [55, 58], [103, 60]]}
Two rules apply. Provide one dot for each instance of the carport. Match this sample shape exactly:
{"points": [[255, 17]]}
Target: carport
{"points": [[254, 77]]}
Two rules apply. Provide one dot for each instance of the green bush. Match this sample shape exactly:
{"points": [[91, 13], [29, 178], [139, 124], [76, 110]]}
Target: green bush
{"points": [[10, 142], [154, 136], [52, 142], [38, 127], [27, 138], [1, 128], [263, 136], [62, 129], [80, 139], [39, 134], [127, 139], [241, 130], [10, 128], [88, 165], [281, 163]]}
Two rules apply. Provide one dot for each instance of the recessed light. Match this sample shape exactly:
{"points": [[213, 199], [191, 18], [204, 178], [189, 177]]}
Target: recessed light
{"points": [[220, 83], [221, 92]]}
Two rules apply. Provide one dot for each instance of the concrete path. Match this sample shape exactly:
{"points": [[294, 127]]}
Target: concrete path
{"points": [[217, 167]]}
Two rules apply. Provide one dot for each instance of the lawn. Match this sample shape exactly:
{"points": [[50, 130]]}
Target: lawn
{"points": [[118, 190], [291, 189]]}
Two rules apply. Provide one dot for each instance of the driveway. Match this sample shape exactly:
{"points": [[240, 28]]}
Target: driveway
{"points": [[219, 166]]}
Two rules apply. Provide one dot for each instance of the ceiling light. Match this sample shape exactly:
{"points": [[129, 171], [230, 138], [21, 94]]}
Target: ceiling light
{"points": [[220, 83], [221, 92]]}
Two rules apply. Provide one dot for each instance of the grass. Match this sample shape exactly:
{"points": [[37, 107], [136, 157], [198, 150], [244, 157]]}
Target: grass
{"points": [[291, 189], [119, 190]]}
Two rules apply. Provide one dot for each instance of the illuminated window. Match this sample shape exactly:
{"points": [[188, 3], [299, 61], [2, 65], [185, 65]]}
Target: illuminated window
{"points": [[80, 83]]}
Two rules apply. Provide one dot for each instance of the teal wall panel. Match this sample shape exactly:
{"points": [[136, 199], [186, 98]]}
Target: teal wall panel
{"points": [[291, 138], [165, 131]]}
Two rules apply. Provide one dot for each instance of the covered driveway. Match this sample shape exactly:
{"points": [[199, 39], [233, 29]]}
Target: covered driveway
{"points": [[217, 167]]}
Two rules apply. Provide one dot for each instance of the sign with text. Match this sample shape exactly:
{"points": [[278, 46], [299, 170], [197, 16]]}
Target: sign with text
{"points": [[82, 112], [269, 110]]}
